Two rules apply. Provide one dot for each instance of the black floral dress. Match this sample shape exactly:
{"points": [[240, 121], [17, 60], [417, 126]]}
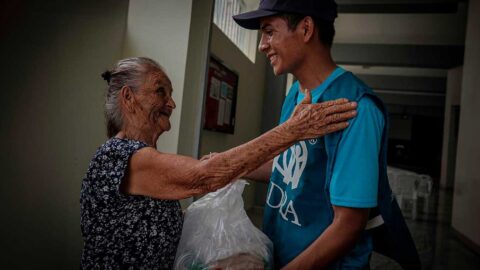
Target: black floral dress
{"points": [[122, 231]]}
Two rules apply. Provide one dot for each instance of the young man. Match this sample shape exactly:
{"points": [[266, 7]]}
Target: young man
{"points": [[325, 195]]}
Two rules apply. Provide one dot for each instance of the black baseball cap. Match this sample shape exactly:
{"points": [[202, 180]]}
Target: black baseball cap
{"points": [[321, 9]]}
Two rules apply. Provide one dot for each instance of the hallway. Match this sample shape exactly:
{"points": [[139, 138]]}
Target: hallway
{"points": [[438, 246]]}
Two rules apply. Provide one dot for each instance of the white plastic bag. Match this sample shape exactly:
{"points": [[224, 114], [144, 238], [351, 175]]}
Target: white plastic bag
{"points": [[217, 234]]}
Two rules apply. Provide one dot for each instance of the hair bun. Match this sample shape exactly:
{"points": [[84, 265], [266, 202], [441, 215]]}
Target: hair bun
{"points": [[107, 75]]}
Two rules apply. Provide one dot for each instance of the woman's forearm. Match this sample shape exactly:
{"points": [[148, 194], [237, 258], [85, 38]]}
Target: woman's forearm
{"points": [[173, 177], [237, 162]]}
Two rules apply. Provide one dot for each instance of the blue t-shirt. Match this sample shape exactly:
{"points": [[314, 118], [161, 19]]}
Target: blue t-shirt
{"points": [[355, 184], [297, 210]]}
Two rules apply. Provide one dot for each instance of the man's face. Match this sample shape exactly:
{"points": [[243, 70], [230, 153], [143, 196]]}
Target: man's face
{"points": [[281, 45]]}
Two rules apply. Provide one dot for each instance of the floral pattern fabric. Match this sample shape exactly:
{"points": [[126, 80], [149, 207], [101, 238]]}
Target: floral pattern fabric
{"points": [[122, 231]]}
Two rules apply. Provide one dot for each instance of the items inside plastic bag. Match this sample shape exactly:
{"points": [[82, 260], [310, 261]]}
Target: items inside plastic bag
{"points": [[217, 234]]}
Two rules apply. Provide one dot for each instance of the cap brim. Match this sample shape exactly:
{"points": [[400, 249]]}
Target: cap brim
{"points": [[251, 20]]}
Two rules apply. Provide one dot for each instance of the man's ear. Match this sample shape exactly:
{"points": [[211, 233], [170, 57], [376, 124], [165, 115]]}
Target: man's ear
{"points": [[126, 98], [308, 28]]}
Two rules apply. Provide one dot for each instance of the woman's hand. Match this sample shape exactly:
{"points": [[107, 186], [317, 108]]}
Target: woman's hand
{"points": [[315, 120]]}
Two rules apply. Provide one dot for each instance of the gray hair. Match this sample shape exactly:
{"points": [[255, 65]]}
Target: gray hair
{"points": [[129, 72]]}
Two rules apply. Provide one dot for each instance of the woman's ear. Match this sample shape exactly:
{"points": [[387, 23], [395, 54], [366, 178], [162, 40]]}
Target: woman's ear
{"points": [[126, 98], [308, 27]]}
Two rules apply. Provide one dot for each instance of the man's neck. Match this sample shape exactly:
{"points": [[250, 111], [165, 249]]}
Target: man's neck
{"points": [[314, 70]]}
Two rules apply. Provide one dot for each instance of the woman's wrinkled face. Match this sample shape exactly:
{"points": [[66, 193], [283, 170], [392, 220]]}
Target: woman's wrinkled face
{"points": [[155, 101]]}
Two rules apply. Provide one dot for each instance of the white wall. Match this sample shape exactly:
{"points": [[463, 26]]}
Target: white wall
{"points": [[433, 29], [51, 123], [466, 202], [452, 98], [396, 71], [160, 30], [250, 93]]}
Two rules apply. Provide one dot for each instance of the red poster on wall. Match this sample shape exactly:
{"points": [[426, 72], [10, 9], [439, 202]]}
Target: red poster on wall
{"points": [[221, 99]]}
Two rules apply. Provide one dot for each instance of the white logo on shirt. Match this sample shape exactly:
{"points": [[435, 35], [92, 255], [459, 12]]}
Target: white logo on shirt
{"points": [[291, 169]]}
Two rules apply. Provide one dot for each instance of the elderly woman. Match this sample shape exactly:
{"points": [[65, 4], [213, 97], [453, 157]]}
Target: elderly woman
{"points": [[130, 214]]}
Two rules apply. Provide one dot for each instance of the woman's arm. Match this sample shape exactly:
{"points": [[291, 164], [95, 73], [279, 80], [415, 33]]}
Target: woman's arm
{"points": [[260, 174], [169, 176]]}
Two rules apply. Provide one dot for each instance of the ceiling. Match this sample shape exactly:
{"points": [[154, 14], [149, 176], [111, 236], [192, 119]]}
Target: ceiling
{"points": [[375, 37]]}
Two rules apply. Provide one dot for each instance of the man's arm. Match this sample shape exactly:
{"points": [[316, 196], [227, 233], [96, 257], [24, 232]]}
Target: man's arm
{"points": [[347, 226], [262, 173], [353, 189]]}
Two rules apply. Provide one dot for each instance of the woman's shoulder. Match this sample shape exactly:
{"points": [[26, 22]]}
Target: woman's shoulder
{"points": [[121, 145], [115, 148], [113, 156]]}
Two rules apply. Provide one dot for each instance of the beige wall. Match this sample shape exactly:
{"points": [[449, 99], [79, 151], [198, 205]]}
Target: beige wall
{"points": [[250, 93], [51, 123], [52, 108], [466, 202], [194, 84], [160, 30], [195, 76]]}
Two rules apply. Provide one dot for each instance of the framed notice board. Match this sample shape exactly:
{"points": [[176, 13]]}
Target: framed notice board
{"points": [[221, 98]]}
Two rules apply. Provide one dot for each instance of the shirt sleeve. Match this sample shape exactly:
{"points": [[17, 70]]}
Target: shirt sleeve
{"points": [[111, 165], [354, 180]]}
